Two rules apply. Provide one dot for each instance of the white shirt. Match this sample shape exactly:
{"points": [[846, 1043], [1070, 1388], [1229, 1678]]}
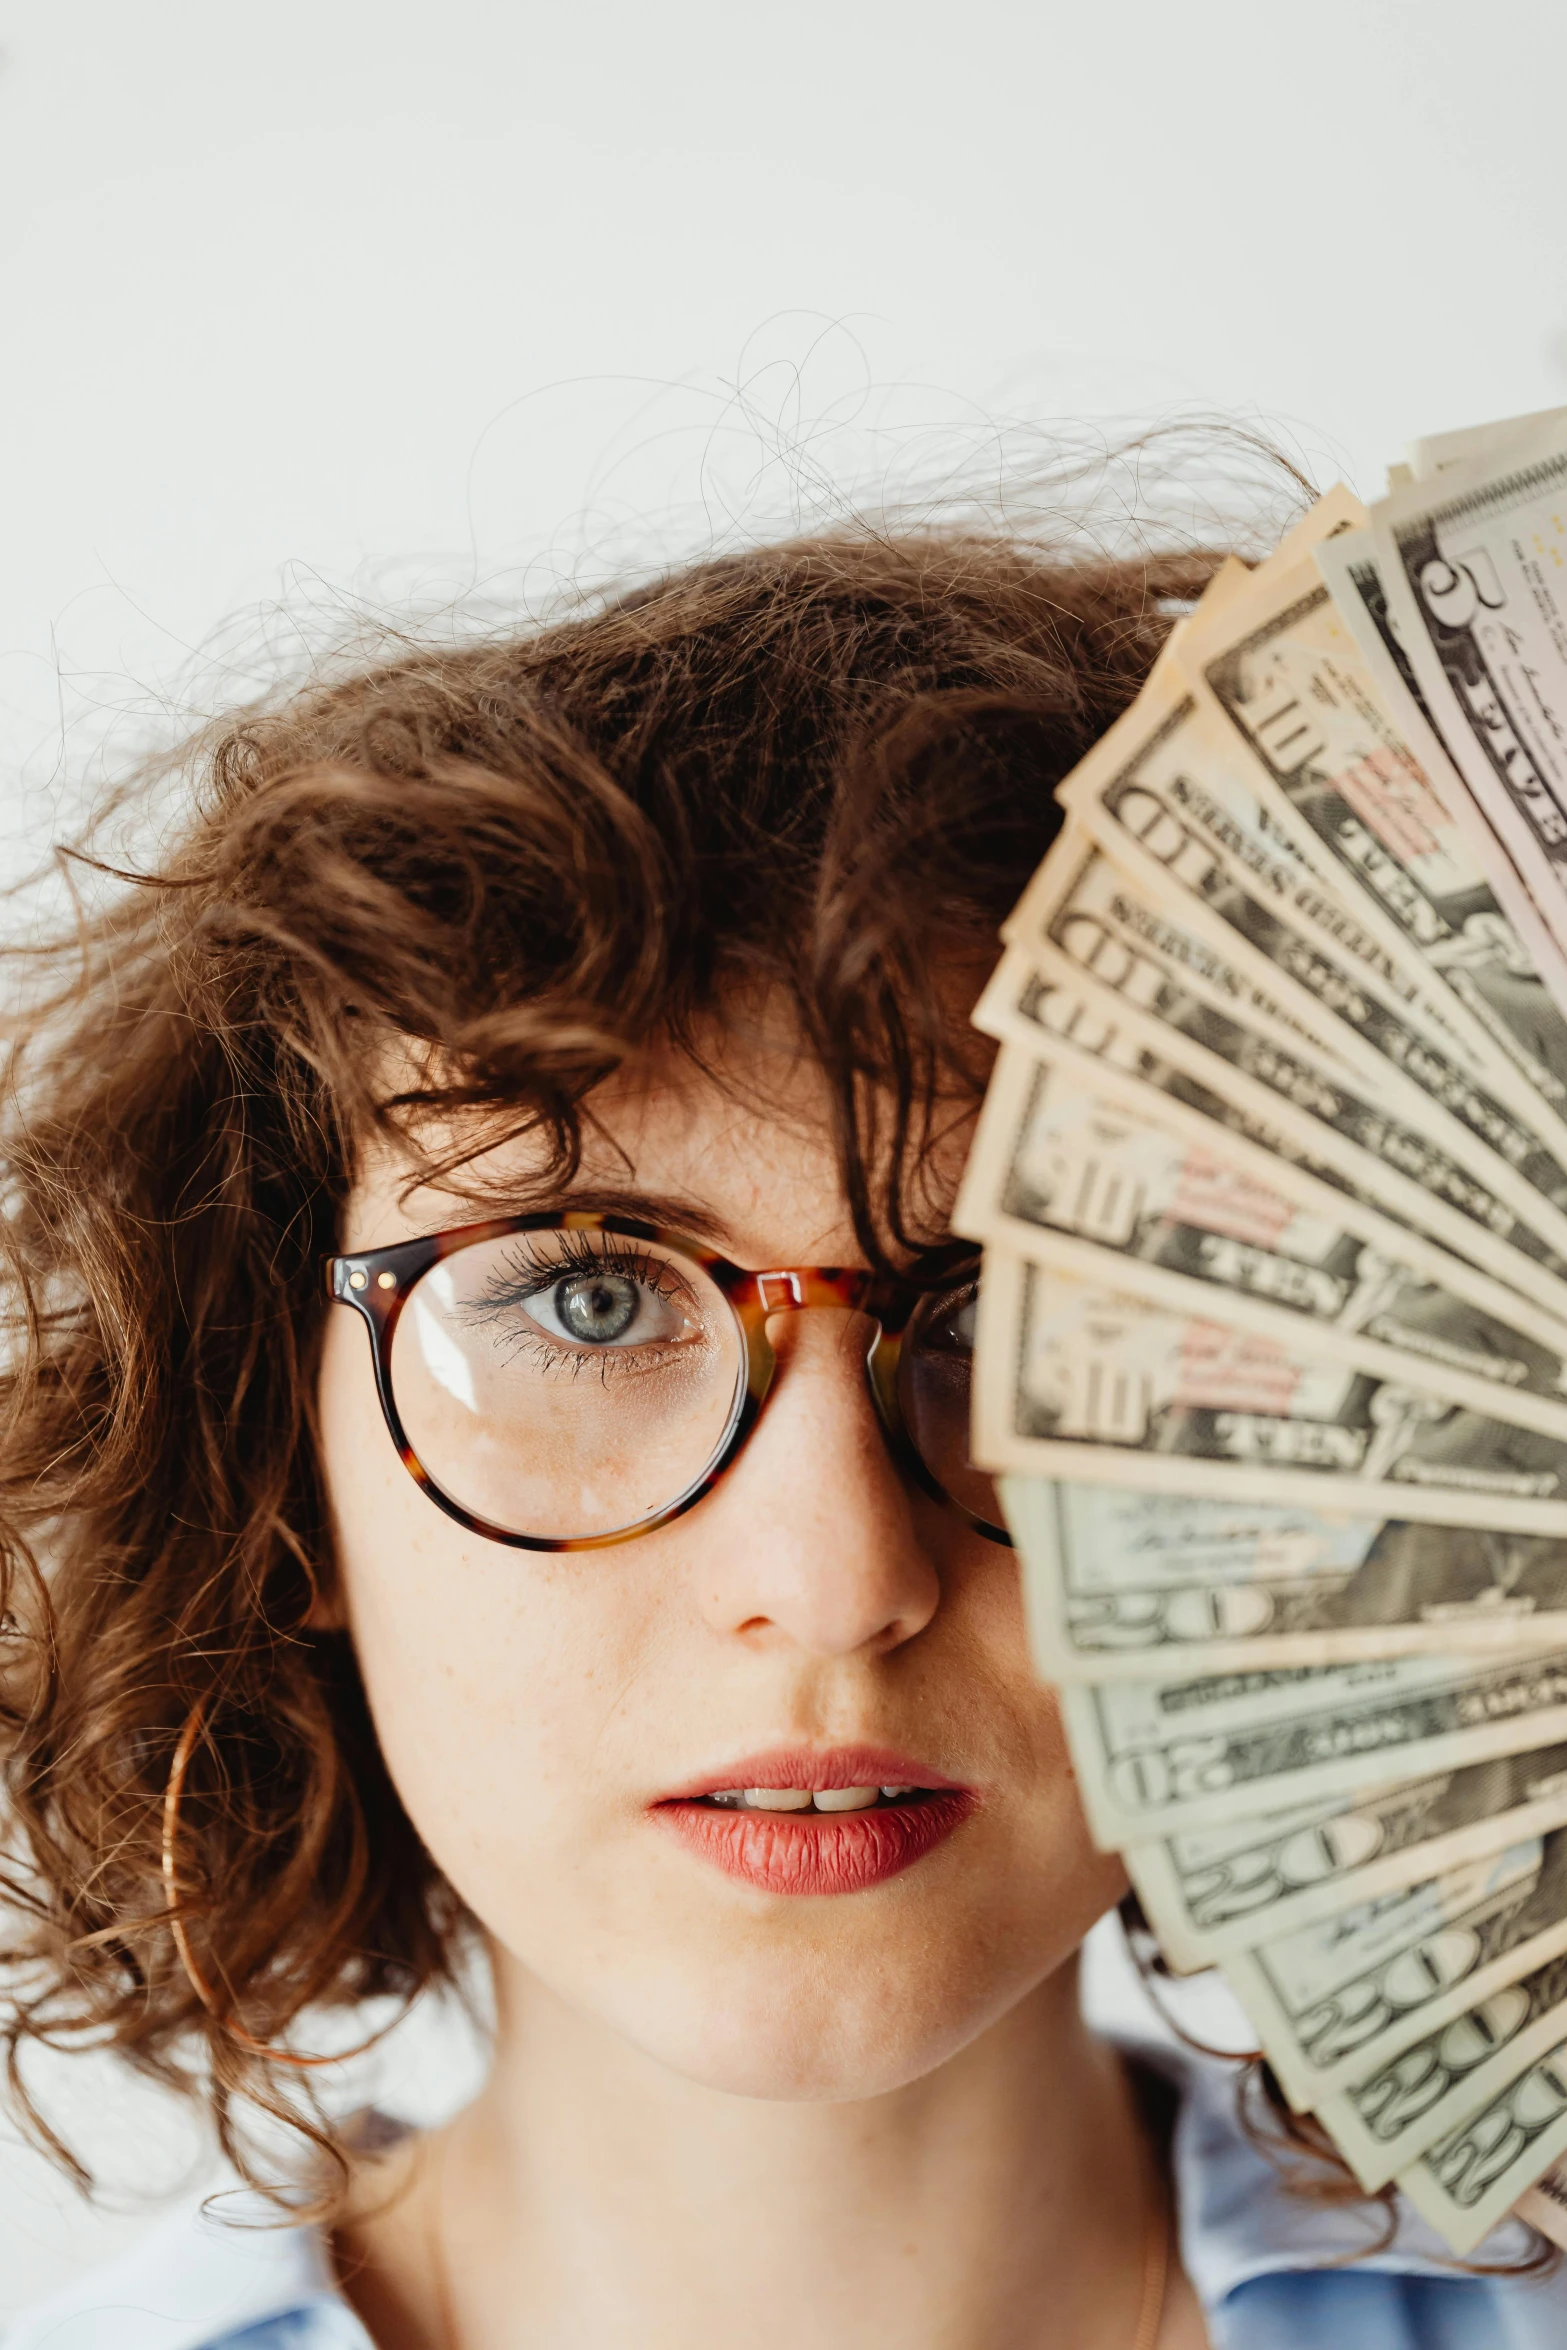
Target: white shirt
{"points": [[1260, 2260]]}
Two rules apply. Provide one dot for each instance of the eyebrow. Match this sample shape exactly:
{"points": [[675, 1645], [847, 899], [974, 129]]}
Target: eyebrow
{"points": [[675, 1211]]}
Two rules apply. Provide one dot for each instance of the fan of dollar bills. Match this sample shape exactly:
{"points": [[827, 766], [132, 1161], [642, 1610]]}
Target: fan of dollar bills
{"points": [[1272, 1355]]}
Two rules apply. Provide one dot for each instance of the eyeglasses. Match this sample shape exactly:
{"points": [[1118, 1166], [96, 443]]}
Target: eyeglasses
{"points": [[564, 1381]]}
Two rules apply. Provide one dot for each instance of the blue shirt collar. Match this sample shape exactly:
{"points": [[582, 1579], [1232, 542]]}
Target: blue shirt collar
{"points": [[205, 2278], [1238, 2217]]}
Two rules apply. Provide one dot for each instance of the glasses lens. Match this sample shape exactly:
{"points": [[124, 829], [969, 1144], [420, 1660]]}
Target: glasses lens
{"points": [[564, 1384], [935, 1384]]}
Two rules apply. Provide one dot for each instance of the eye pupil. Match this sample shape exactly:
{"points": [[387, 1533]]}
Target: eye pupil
{"points": [[597, 1307], [949, 1328]]}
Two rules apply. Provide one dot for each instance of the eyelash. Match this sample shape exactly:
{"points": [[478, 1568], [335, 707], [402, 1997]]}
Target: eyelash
{"points": [[578, 1253]]}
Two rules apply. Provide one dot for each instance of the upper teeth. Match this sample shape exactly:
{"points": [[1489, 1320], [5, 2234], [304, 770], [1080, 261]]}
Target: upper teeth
{"points": [[803, 1798]]}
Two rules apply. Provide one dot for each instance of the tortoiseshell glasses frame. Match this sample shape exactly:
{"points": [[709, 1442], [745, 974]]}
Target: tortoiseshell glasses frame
{"points": [[377, 1283]]}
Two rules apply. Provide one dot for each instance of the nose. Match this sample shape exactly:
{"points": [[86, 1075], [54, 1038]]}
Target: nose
{"points": [[815, 1541]]}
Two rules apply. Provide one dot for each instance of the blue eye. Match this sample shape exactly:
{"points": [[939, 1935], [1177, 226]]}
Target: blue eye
{"points": [[596, 1308], [558, 1302], [947, 1325], [607, 1305]]}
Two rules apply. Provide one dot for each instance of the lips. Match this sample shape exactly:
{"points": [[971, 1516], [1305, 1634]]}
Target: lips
{"points": [[833, 1850]]}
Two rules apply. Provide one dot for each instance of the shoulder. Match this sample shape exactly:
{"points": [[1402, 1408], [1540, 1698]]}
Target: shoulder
{"points": [[200, 2281], [1275, 2270]]}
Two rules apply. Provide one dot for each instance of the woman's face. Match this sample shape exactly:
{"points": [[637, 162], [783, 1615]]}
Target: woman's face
{"points": [[556, 1723]]}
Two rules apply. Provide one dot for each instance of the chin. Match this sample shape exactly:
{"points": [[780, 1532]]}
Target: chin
{"points": [[813, 2033], [784, 2063]]}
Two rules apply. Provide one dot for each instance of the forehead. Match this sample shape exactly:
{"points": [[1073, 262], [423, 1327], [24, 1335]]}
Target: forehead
{"points": [[740, 1154]]}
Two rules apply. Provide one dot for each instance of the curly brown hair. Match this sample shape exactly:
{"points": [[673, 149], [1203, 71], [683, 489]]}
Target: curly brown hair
{"points": [[823, 769]]}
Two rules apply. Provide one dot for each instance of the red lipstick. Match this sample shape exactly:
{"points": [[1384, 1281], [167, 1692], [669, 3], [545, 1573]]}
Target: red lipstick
{"points": [[812, 1851]]}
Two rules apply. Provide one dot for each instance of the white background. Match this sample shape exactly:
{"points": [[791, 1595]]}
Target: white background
{"points": [[325, 305]]}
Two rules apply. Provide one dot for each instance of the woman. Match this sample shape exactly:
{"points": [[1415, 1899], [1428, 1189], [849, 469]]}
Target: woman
{"points": [[548, 1063]]}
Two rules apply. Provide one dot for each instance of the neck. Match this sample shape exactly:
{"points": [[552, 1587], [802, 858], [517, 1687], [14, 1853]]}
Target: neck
{"points": [[593, 2198]]}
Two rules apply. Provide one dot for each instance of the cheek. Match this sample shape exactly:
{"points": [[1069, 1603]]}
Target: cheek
{"points": [[494, 1676], [1047, 1879]]}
